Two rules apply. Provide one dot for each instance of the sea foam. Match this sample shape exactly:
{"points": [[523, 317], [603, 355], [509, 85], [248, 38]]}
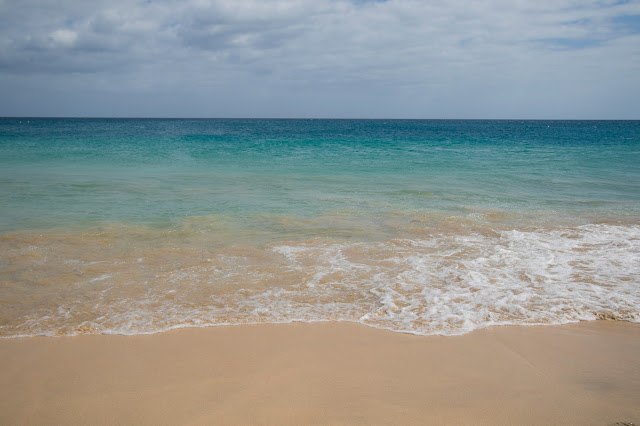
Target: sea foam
{"points": [[446, 283]]}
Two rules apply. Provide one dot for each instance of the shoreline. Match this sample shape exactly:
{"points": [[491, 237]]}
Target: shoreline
{"points": [[326, 373]]}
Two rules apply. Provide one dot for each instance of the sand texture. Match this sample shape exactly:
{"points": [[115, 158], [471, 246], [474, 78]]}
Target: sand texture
{"points": [[326, 373]]}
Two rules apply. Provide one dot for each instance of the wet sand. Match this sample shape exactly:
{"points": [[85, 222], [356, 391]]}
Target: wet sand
{"points": [[326, 373]]}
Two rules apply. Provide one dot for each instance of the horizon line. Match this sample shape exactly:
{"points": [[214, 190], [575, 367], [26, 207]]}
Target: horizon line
{"points": [[18, 117]]}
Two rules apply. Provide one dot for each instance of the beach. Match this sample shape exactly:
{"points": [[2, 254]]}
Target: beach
{"points": [[333, 212], [326, 373], [259, 271]]}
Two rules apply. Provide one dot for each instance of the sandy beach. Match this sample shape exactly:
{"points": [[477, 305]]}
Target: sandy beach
{"points": [[326, 373]]}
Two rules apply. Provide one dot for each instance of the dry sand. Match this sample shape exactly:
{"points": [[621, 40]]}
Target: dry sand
{"points": [[327, 373]]}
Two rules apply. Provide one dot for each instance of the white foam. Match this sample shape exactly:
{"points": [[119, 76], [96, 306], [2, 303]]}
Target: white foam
{"points": [[445, 284], [451, 284], [100, 278]]}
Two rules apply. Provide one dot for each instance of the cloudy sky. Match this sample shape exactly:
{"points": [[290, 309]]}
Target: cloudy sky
{"points": [[321, 58]]}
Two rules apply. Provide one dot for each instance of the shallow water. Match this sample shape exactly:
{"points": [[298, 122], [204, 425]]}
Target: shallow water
{"points": [[427, 227]]}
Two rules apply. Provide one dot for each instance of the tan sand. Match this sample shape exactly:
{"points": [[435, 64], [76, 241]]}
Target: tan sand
{"points": [[328, 373]]}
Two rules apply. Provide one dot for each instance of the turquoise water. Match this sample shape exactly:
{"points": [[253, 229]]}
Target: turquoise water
{"points": [[384, 222]]}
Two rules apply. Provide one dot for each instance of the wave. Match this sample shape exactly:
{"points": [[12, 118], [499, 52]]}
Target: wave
{"points": [[126, 281]]}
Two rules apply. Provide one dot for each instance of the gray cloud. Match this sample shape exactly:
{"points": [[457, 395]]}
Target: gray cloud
{"points": [[397, 58]]}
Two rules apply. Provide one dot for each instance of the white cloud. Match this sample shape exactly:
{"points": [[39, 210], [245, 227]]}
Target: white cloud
{"points": [[324, 57], [63, 37]]}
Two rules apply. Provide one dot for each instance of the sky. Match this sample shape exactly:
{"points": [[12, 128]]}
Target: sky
{"points": [[564, 59]]}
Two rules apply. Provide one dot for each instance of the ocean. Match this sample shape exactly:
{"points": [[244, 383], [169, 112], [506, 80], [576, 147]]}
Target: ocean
{"points": [[135, 226]]}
